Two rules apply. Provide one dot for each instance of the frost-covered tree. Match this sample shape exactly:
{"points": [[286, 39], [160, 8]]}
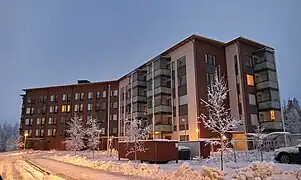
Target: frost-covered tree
{"points": [[218, 118], [135, 133], [8, 135], [2, 139], [292, 116], [76, 133], [92, 132]]}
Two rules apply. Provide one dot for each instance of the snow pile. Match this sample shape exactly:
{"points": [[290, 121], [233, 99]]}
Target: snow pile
{"points": [[265, 171], [129, 168], [185, 172], [113, 153]]}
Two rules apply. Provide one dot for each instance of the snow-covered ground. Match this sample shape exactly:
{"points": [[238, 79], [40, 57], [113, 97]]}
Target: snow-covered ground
{"points": [[247, 166]]}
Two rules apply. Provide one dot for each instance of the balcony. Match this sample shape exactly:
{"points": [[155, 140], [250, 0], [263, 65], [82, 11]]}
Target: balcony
{"points": [[159, 90], [136, 115], [273, 125], [139, 83], [269, 105], [267, 84], [159, 72], [264, 65], [161, 128], [139, 98], [162, 108]]}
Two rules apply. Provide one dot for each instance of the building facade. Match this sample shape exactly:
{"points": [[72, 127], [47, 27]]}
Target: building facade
{"points": [[164, 93]]}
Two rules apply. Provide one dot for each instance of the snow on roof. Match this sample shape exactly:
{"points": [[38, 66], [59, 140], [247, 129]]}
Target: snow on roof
{"points": [[157, 140]]}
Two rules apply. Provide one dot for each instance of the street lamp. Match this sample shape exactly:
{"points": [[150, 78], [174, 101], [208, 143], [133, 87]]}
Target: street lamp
{"points": [[185, 127], [25, 138]]}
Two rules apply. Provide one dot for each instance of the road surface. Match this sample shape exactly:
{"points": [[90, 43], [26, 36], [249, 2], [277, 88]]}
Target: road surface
{"points": [[15, 167]]}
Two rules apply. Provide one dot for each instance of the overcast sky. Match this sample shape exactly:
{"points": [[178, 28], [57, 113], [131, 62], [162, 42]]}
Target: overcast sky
{"points": [[44, 43]]}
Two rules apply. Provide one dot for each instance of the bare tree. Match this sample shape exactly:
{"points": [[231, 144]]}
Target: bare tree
{"points": [[134, 135], [218, 118], [92, 133], [76, 132]]}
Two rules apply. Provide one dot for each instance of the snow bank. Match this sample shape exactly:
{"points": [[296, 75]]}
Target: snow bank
{"points": [[265, 171]]}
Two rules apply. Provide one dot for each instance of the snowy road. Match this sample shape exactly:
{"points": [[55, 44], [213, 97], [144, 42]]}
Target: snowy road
{"points": [[16, 168]]}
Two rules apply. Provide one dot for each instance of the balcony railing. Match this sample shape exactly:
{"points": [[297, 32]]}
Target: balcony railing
{"points": [[139, 83], [263, 65], [159, 90], [159, 72], [273, 125], [267, 84], [161, 128], [269, 105], [162, 108]]}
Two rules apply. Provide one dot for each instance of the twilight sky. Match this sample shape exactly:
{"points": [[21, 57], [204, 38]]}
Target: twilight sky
{"points": [[45, 43]]}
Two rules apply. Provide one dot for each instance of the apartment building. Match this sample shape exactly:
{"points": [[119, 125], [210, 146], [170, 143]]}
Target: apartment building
{"points": [[46, 111], [165, 93]]}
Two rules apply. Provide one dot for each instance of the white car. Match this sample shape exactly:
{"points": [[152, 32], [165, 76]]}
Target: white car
{"points": [[289, 154]]}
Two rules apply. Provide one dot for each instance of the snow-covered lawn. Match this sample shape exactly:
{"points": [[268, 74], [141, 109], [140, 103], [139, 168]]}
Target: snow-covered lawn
{"points": [[248, 166]]}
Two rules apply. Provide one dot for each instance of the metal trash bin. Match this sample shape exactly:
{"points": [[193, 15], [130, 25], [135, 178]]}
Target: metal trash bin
{"points": [[184, 153]]}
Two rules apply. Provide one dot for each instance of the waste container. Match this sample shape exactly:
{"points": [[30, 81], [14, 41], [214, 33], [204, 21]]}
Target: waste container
{"points": [[184, 153]]}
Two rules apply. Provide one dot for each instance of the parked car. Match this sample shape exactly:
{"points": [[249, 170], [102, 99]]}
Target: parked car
{"points": [[289, 154]]}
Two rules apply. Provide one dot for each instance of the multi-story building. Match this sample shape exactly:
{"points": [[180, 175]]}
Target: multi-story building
{"points": [[165, 93]]}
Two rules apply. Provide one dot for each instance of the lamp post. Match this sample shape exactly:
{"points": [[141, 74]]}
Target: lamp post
{"points": [[185, 128], [25, 138]]}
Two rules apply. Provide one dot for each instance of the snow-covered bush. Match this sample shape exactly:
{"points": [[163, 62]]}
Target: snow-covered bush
{"points": [[112, 152]]}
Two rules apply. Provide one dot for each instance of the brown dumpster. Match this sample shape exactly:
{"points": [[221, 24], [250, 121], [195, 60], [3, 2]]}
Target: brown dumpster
{"points": [[157, 151]]}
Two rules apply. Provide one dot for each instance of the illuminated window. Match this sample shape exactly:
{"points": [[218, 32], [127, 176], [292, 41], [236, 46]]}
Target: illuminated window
{"points": [[68, 108], [272, 115], [64, 108], [250, 80]]}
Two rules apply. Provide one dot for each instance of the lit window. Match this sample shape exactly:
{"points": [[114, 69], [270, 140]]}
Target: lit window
{"points": [[272, 115], [250, 80], [68, 108], [64, 108]]}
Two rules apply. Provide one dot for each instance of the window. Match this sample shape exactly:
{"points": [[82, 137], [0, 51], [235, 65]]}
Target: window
{"points": [[31, 122], [26, 121], [104, 94], [249, 61], [64, 97], [184, 137], [52, 98], [56, 109], [210, 59], [81, 107], [68, 108], [28, 110], [42, 132], [76, 107], [114, 130], [64, 108], [52, 120], [209, 77], [114, 117], [42, 121], [44, 99], [90, 95], [28, 132], [114, 105], [68, 97], [53, 132], [76, 96], [39, 110], [49, 132], [102, 105], [115, 93], [98, 95], [182, 80], [97, 107], [250, 80], [183, 100], [254, 119], [63, 120], [272, 114], [82, 95], [40, 99], [37, 133], [90, 106], [38, 120], [51, 109], [103, 131], [252, 99], [62, 131], [181, 62]]}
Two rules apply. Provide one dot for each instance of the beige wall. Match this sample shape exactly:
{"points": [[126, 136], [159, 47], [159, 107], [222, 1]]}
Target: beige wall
{"points": [[230, 52], [187, 51]]}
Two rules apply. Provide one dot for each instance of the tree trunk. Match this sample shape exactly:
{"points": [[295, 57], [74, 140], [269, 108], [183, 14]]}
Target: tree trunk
{"points": [[222, 154], [93, 153]]}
